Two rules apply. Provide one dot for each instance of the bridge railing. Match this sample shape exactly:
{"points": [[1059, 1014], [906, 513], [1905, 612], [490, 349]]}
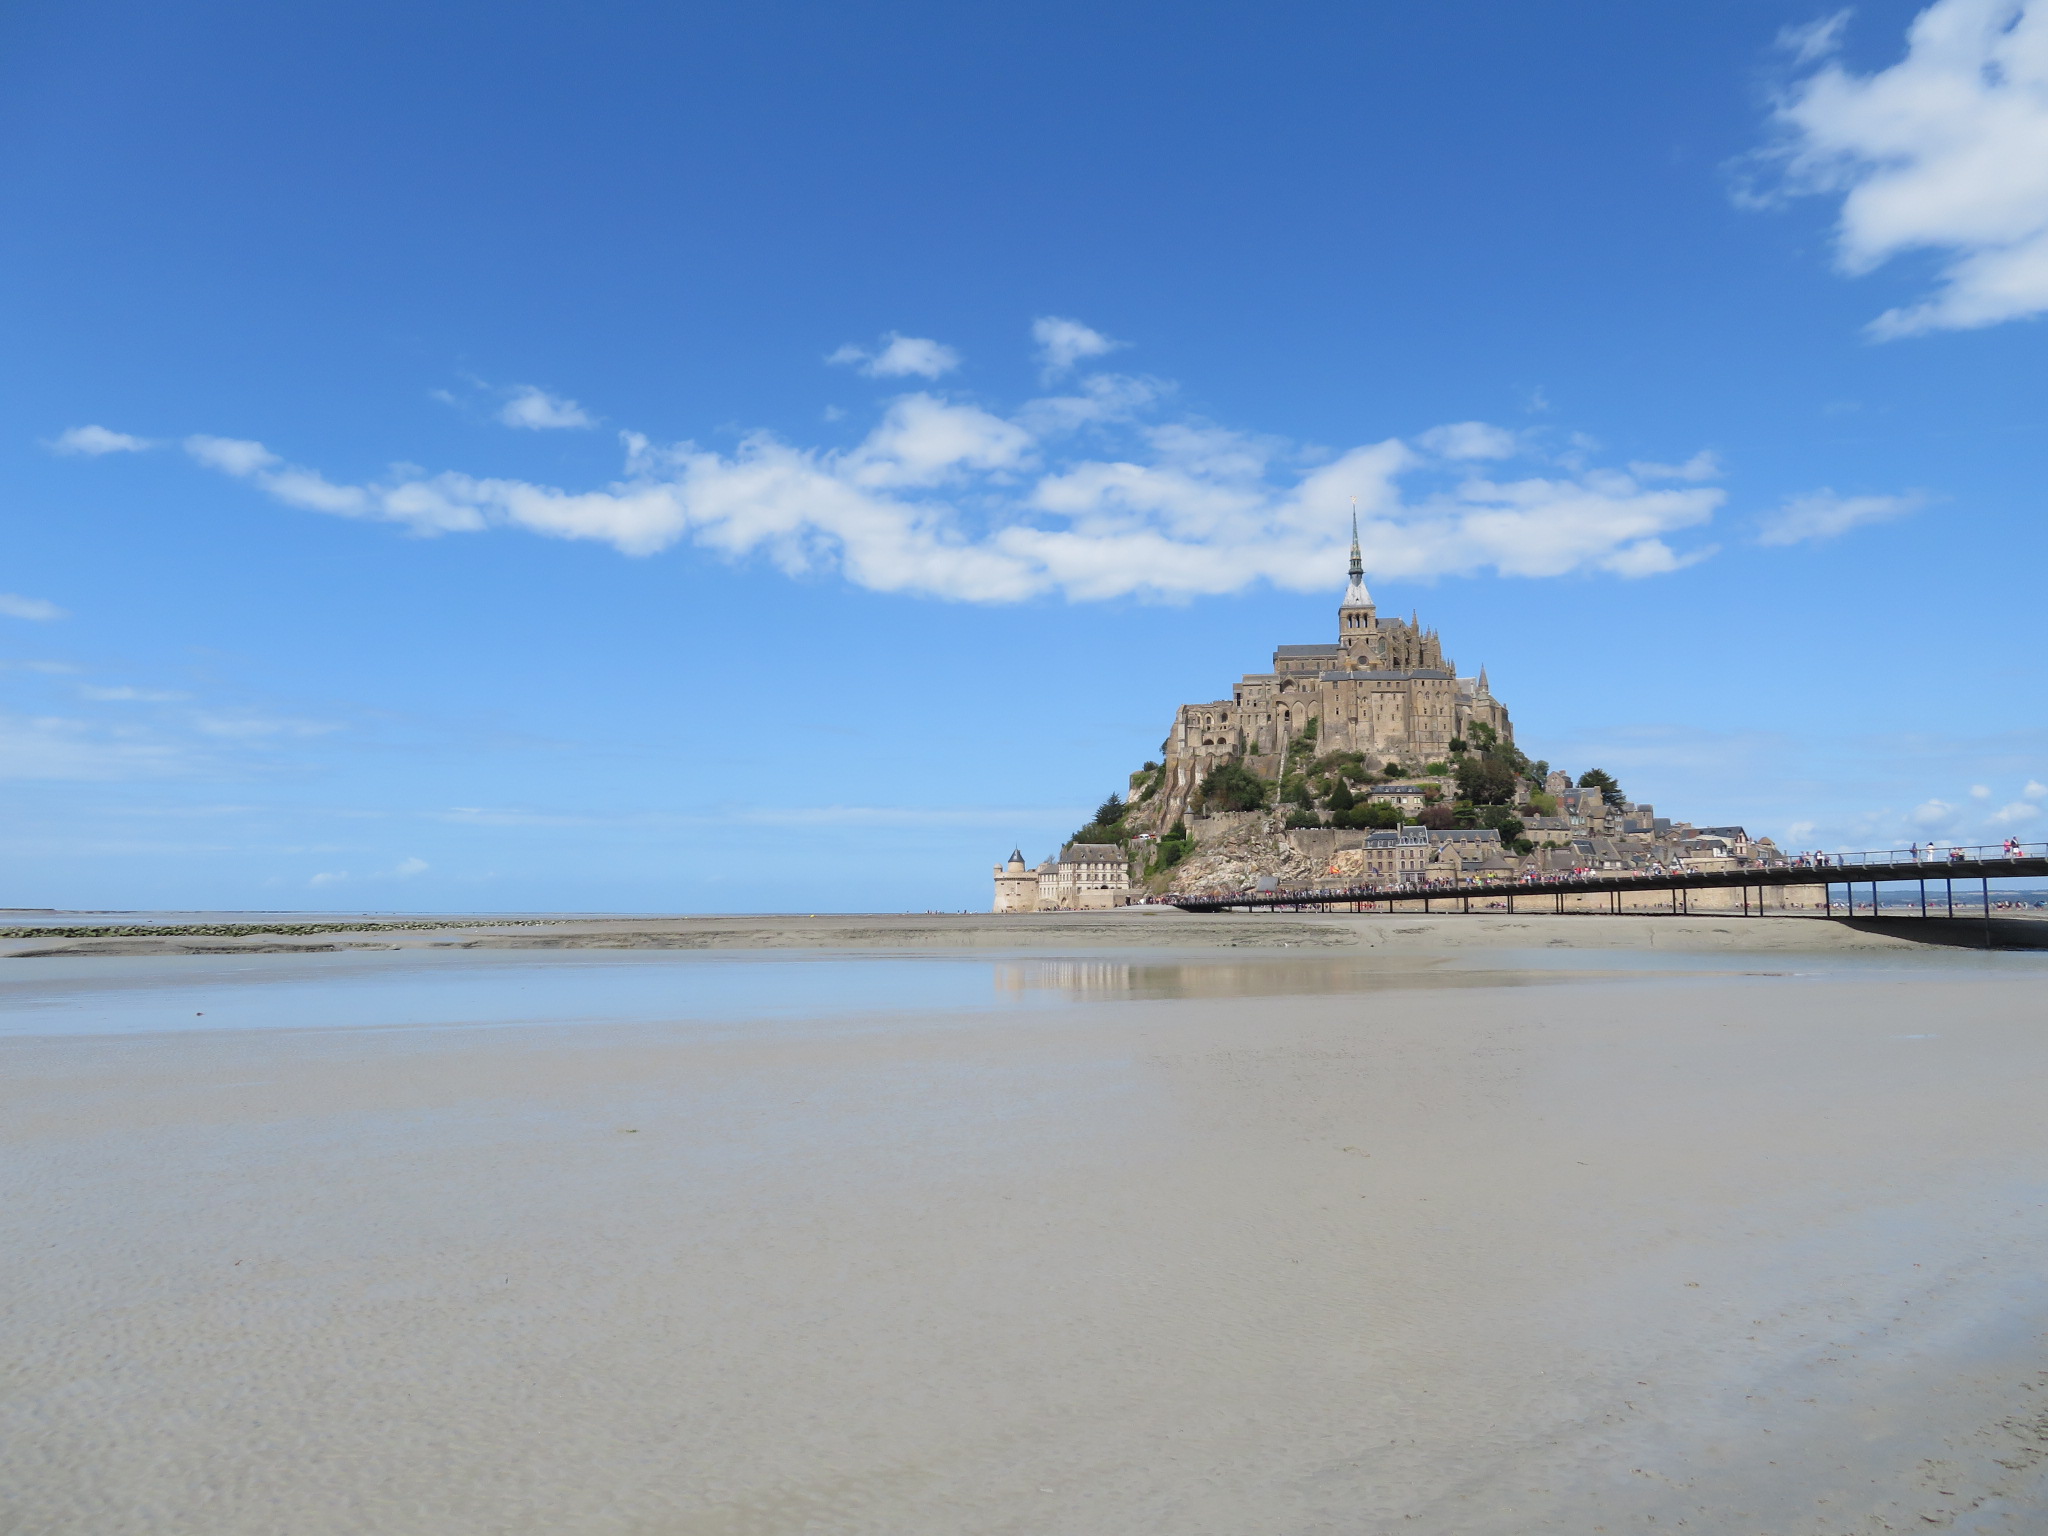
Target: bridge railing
{"points": [[1934, 857], [1937, 854]]}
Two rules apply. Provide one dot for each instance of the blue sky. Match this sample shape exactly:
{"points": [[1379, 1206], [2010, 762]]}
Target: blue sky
{"points": [[780, 456]]}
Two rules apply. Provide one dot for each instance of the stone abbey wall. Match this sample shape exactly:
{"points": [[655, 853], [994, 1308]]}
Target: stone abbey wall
{"points": [[1383, 688]]}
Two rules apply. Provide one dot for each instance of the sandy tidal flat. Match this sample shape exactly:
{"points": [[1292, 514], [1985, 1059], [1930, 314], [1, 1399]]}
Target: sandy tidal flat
{"points": [[1424, 1240]]}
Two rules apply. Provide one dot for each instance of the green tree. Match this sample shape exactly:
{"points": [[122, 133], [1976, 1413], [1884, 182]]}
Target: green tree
{"points": [[1486, 780], [1610, 791], [1301, 818], [1095, 832], [1171, 849], [1111, 811], [1233, 787], [1341, 798], [1502, 820]]}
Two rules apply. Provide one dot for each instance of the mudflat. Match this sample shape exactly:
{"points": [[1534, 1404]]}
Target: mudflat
{"points": [[1115, 1223], [1150, 927]]}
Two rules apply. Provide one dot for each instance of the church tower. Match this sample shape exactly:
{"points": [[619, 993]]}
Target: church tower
{"points": [[1357, 620]]}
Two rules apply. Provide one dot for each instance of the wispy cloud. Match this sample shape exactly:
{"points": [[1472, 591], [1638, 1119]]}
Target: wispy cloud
{"points": [[1062, 343], [57, 748], [125, 695], [900, 357], [94, 441], [1814, 39], [15, 606], [1946, 150], [538, 411], [250, 725], [1086, 495], [412, 502], [1470, 440], [770, 816], [1824, 515], [1704, 465]]}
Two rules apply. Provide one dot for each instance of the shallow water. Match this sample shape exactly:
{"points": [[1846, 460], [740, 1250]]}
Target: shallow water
{"points": [[1488, 1243], [410, 989]]}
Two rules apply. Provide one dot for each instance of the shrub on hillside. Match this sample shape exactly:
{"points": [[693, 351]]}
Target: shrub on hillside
{"points": [[1233, 787]]}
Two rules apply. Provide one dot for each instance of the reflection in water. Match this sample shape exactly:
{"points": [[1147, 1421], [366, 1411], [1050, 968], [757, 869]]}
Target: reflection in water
{"points": [[1247, 978]]}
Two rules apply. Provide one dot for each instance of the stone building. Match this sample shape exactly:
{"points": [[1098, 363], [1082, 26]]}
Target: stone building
{"points": [[1395, 858], [1383, 687], [1084, 877], [1081, 877], [1016, 885]]}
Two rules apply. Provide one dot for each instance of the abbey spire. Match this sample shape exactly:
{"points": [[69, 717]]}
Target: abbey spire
{"points": [[1355, 595]]}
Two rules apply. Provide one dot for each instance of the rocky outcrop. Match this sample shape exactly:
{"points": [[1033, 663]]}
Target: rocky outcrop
{"points": [[1231, 853]]}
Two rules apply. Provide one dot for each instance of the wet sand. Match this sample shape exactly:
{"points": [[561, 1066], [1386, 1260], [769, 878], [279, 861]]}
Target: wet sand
{"points": [[1378, 1231], [1149, 927]]}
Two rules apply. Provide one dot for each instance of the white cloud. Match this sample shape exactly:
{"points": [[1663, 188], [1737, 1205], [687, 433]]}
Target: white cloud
{"points": [[1933, 813], [773, 816], [230, 455], [1470, 440], [2035, 789], [1980, 791], [130, 695], [1704, 465], [53, 747], [1946, 150], [1063, 343], [901, 357], [956, 501], [538, 411], [94, 441], [404, 869], [250, 725], [14, 606], [1824, 515], [924, 441], [1814, 40], [2017, 811], [424, 504]]}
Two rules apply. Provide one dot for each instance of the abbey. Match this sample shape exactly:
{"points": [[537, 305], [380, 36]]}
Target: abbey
{"points": [[1382, 688]]}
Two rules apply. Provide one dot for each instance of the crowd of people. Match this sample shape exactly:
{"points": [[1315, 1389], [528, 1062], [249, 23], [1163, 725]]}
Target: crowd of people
{"points": [[1918, 853]]}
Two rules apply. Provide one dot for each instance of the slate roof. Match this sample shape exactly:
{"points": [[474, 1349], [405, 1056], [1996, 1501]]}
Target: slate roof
{"points": [[1308, 650], [1091, 853]]}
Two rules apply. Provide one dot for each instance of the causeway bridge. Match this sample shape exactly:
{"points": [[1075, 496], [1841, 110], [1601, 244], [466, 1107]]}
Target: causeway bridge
{"points": [[1933, 872]]}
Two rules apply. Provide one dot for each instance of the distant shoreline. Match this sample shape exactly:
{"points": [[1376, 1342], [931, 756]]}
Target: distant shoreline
{"points": [[1151, 927]]}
